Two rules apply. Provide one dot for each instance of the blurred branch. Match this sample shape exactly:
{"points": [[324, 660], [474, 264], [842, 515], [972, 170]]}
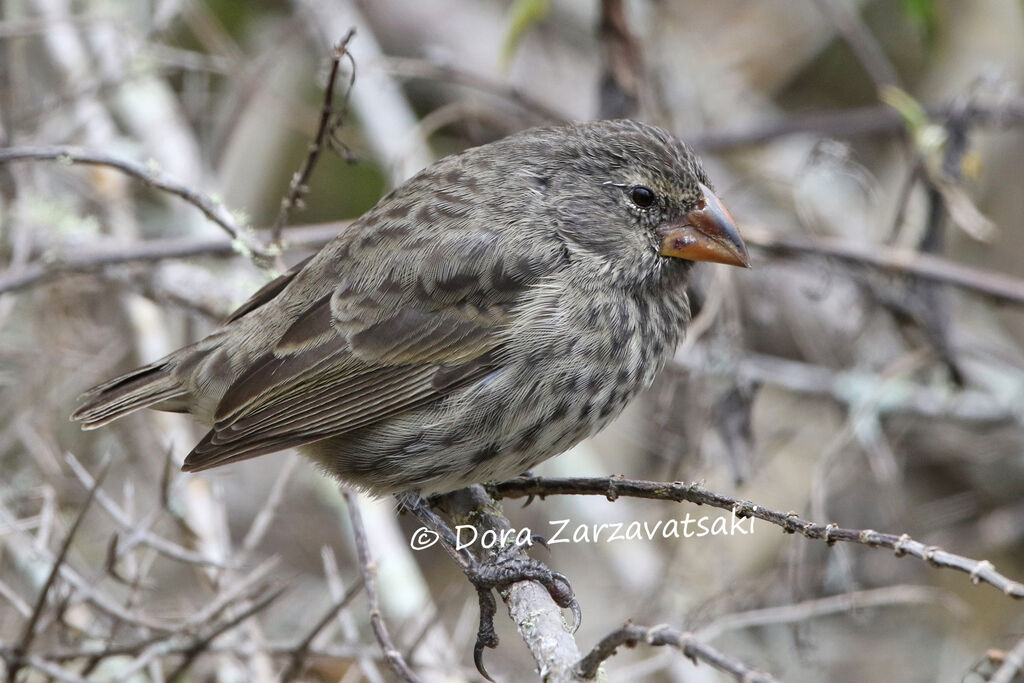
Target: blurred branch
{"points": [[980, 571], [1000, 287], [630, 635], [843, 16], [202, 643], [152, 177], [369, 569], [329, 122], [138, 530], [297, 661], [1013, 663], [876, 120], [16, 656], [55, 265], [847, 387], [407, 67], [622, 70], [833, 604]]}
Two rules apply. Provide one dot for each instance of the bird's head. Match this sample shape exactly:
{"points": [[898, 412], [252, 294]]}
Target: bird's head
{"points": [[629, 193]]}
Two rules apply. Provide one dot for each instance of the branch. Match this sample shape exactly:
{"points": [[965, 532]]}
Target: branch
{"points": [[1013, 663], [998, 286], [630, 635], [303, 648], [369, 569], [119, 515], [328, 124], [152, 177], [99, 259], [844, 386], [201, 644], [28, 632], [537, 618], [980, 571], [874, 120], [622, 70], [868, 52], [832, 604], [412, 68]]}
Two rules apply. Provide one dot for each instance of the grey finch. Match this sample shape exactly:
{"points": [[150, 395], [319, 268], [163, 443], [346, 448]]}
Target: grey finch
{"points": [[496, 309]]}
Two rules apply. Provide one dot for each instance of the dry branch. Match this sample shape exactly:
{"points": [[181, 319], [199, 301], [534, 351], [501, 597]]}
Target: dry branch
{"points": [[329, 121], [369, 569], [980, 571], [152, 177], [631, 635]]}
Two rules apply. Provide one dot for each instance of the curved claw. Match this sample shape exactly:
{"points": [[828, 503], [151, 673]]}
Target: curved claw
{"points": [[485, 635], [567, 600], [541, 541], [478, 659], [577, 615]]}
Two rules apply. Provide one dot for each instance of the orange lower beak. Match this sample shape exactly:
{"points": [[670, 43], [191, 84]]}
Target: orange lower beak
{"points": [[707, 233]]}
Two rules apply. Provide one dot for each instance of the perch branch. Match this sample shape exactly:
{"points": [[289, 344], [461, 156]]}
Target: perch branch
{"points": [[980, 571]]}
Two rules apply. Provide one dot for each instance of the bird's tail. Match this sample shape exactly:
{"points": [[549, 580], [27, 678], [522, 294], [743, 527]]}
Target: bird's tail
{"points": [[141, 388]]}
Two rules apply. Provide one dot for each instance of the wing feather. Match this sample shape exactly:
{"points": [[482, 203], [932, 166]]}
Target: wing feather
{"points": [[425, 313]]}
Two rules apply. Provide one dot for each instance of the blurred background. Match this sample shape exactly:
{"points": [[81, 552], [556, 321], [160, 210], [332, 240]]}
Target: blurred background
{"points": [[815, 382]]}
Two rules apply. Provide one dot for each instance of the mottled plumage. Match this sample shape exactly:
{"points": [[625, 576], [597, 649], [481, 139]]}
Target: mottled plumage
{"points": [[488, 314]]}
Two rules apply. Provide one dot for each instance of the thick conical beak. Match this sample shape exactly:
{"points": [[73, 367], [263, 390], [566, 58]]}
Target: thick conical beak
{"points": [[707, 233]]}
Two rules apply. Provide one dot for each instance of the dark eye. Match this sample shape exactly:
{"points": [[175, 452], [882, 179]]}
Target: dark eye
{"points": [[642, 196]]}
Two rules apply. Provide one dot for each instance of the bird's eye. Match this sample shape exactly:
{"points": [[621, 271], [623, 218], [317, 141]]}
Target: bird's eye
{"points": [[642, 196]]}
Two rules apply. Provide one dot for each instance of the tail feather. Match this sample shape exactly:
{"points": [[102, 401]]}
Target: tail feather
{"points": [[138, 389]]}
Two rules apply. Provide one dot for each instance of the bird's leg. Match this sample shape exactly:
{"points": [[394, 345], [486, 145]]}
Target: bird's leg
{"points": [[507, 566]]}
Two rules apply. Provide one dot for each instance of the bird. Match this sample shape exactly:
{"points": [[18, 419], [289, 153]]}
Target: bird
{"points": [[491, 312]]}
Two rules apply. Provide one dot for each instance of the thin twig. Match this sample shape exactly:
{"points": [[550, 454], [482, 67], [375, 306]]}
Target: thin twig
{"points": [[631, 634], [844, 18], [152, 177], [261, 522], [622, 73], [157, 543], [996, 286], [329, 121], [410, 68], [108, 256], [349, 631], [242, 589], [199, 645], [28, 631], [980, 571], [832, 604], [369, 569], [301, 651], [874, 120]]}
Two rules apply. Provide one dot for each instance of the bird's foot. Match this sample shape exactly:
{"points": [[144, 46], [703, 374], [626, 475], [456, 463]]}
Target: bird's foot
{"points": [[507, 567]]}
